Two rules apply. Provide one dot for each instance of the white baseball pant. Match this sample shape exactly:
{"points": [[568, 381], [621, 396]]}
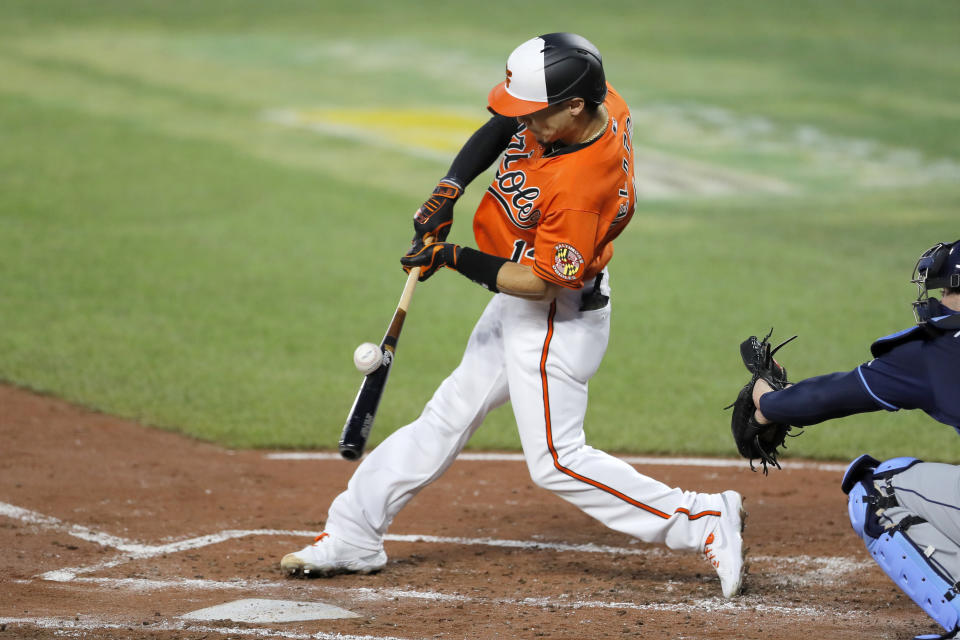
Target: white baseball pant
{"points": [[540, 356]]}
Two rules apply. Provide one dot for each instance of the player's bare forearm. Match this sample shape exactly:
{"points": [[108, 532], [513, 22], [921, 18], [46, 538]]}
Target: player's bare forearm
{"points": [[519, 280], [759, 389]]}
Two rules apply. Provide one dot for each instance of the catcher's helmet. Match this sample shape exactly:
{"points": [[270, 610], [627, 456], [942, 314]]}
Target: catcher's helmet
{"points": [[937, 268], [547, 70]]}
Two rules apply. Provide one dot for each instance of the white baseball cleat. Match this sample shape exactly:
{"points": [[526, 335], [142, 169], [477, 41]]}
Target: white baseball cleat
{"points": [[328, 555], [724, 546]]}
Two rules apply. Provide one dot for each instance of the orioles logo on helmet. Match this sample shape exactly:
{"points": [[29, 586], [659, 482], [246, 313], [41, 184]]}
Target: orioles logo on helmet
{"points": [[509, 76], [567, 261]]}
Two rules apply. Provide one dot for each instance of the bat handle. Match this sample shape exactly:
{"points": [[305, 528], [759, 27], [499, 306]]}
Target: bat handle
{"points": [[412, 278]]}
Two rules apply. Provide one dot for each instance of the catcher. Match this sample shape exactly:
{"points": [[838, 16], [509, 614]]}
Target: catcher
{"points": [[905, 510]]}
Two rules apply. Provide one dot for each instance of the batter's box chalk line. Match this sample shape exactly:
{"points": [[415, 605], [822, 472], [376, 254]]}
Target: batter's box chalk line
{"points": [[808, 569], [84, 627], [131, 551]]}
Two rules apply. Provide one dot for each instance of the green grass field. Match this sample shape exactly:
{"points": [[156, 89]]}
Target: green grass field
{"points": [[202, 205]]}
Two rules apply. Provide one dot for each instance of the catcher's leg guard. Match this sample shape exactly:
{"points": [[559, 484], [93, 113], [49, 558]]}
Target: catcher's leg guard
{"points": [[908, 566], [886, 530]]}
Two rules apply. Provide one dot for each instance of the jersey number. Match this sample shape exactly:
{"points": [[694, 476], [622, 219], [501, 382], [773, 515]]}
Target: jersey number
{"points": [[518, 247]]}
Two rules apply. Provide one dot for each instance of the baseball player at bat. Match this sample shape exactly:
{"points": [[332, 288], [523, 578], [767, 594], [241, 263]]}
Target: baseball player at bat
{"points": [[563, 191], [906, 511]]}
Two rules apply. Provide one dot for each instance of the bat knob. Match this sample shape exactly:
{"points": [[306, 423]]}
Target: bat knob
{"points": [[351, 451]]}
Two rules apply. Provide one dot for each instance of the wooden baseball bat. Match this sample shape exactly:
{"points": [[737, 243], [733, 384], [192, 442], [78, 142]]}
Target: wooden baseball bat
{"points": [[355, 432]]}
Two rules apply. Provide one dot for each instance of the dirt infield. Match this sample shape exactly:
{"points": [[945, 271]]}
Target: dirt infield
{"points": [[113, 530]]}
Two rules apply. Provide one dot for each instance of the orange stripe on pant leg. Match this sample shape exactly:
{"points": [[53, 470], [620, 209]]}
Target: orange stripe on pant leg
{"points": [[553, 450]]}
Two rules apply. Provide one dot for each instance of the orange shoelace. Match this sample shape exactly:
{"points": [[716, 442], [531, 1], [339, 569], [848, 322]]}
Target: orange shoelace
{"points": [[708, 552]]}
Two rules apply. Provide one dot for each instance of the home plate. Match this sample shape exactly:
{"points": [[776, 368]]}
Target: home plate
{"points": [[262, 610]]}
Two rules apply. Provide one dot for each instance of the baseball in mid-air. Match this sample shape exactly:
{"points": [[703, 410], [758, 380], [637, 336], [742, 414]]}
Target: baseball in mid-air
{"points": [[367, 358]]}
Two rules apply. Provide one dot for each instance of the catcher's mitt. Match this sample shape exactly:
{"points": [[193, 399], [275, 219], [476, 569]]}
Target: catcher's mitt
{"points": [[755, 440]]}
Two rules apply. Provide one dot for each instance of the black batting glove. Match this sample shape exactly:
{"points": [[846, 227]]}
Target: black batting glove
{"points": [[431, 257], [435, 216]]}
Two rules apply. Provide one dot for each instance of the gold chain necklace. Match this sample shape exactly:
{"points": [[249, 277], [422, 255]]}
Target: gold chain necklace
{"points": [[550, 149], [598, 133]]}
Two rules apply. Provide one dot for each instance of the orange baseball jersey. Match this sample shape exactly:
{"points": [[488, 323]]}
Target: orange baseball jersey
{"points": [[560, 213]]}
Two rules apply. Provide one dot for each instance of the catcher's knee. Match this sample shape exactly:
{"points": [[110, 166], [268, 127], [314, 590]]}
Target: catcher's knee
{"points": [[866, 482], [866, 467]]}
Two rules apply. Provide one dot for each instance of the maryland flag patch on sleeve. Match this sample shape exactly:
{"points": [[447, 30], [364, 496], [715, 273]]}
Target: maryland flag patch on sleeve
{"points": [[567, 262]]}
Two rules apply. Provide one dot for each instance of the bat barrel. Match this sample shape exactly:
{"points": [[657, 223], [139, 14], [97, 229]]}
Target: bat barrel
{"points": [[353, 438]]}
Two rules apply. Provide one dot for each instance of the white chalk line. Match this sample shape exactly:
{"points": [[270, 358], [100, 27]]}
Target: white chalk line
{"points": [[131, 551], [638, 460], [388, 594], [752, 604], [70, 626], [825, 570]]}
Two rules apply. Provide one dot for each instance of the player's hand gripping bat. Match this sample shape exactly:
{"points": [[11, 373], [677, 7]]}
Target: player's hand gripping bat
{"points": [[355, 432]]}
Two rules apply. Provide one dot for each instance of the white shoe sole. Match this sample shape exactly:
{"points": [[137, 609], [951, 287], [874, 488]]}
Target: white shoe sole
{"points": [[296, 567]]}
